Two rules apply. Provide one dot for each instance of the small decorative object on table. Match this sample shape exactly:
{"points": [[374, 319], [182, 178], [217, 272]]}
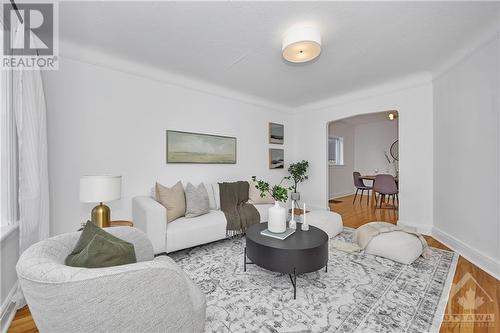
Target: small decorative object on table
{"points": [[277, 214], [280, 236], [277, 218], [292, 223], [305, 226]]}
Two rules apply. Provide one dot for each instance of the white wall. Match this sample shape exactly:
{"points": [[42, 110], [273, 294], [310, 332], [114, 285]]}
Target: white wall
{"points": [[102, 120], [412, 98], [466, 160], [371, 141], [9, 253], [340, 176]]}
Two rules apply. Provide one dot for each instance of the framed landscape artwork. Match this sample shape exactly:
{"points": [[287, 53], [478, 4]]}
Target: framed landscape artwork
{"points": [[276, 158], [276, 133], [186, 147]]}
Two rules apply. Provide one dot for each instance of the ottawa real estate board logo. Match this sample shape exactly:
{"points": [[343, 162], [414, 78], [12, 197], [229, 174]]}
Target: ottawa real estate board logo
{"points": [[470, 306], [30, 36]]}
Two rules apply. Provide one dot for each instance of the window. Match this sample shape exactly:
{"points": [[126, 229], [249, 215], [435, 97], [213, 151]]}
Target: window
{"points": [[336, 150], [9, 209]]}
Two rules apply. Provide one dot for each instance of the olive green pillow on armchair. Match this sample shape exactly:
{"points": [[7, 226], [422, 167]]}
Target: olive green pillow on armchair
{"points": [[97, 248]]}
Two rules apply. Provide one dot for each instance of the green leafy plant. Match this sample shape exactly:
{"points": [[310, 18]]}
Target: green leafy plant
{"points": [[298, 173], [277, 192]]}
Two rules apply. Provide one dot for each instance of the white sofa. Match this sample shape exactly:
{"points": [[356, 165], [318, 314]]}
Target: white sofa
{"points": [[151, 217]]}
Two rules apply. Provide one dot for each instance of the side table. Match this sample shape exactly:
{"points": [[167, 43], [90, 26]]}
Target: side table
{"points": [[121, 223]]}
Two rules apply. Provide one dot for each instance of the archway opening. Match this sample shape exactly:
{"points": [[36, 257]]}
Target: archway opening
{"points": [[361, 148]]}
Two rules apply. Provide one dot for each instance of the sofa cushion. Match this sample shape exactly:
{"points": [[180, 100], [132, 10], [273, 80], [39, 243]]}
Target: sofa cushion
{"points": [[173, 199], [197, 202], [185, 232], [396, 245], [97, 248]]}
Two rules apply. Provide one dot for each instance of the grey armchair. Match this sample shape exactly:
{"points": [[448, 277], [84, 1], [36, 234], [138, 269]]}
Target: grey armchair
{"points": [[152, 295]]}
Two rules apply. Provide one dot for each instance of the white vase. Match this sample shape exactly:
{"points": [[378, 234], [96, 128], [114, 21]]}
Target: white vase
{"points": [[277, 219]]}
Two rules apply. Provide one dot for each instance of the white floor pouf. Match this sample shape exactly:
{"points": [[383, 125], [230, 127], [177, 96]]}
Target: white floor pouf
{"points": [[396, 245], [329, 222]]}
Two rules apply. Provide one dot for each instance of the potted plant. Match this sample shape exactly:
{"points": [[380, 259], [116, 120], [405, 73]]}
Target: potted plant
{"points": [[297, 175], [277, 214]]}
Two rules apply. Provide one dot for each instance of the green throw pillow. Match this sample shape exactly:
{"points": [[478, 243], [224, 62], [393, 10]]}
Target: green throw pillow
{"points": [[97, 248]]}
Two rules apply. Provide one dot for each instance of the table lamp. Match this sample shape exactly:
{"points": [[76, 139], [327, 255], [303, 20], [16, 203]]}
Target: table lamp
{"points": [[100, 189]]}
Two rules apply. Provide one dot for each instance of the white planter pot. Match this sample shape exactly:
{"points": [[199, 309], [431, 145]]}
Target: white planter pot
{"points": [[277, 219]]}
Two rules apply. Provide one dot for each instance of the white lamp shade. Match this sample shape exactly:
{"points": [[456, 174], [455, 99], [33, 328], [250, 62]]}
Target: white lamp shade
{"points": [[100, 188], [301, 44]]}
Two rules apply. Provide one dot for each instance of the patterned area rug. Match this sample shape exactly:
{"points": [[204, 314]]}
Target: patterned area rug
{"points": [[359, 293]]}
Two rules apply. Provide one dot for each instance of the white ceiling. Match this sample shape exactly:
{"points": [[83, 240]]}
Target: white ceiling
{"points": [[238, 44]]}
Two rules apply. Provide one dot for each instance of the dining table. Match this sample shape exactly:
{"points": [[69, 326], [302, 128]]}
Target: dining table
{"points": [[372, 178]]}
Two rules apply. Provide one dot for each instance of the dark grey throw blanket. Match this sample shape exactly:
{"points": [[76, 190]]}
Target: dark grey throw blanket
{"points": [[234, 203]]}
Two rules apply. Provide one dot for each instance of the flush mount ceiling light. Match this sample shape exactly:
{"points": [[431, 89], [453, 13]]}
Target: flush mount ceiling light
{"points": [[301, 44]]}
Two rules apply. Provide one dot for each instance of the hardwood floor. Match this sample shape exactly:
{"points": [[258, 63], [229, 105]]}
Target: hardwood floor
{"points": [[473, 305], [477, 290], [23, 323]]}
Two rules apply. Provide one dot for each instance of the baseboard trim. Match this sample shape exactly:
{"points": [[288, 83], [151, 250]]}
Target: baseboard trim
{"points": [[9, 308], [478, 258], [340, 195]]}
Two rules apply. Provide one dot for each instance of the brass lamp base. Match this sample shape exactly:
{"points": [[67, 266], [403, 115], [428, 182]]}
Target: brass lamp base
{"points": [[100, 215]]}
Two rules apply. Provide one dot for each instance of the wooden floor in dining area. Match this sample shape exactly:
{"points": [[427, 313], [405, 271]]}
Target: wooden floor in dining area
{"points": [[477, 287]]}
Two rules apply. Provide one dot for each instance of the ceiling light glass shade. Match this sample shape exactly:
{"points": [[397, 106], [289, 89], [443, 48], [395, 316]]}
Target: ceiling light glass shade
{"points": [[301, 44]]}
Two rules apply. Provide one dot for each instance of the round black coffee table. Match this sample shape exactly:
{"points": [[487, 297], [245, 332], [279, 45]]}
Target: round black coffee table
{"points": [[301, 252]]}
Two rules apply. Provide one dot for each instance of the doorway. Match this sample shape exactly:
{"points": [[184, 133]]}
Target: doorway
{"points": [[367, 144]]}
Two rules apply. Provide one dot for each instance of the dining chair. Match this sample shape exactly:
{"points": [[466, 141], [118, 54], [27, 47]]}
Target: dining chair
{"points": [[386, 185], [360, 185]]}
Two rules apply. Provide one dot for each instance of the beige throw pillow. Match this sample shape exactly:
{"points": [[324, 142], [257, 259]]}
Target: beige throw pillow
{"points": [[173, 199], [254, 196]]}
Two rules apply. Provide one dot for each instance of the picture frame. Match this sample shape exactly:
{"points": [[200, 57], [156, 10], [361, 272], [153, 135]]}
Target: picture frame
{"points": [[276, 158], [200, 148], [276, 133]]}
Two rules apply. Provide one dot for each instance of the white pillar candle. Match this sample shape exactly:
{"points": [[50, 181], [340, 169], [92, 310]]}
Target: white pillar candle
{"points": [[304, 212], [305, 226]]}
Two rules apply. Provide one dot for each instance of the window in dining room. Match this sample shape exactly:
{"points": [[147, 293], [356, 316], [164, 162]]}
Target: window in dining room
{"points": [[336, 150]]}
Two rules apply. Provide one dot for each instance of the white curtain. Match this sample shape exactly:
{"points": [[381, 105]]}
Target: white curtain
{"points": [[33, 182], [31, 125]]}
